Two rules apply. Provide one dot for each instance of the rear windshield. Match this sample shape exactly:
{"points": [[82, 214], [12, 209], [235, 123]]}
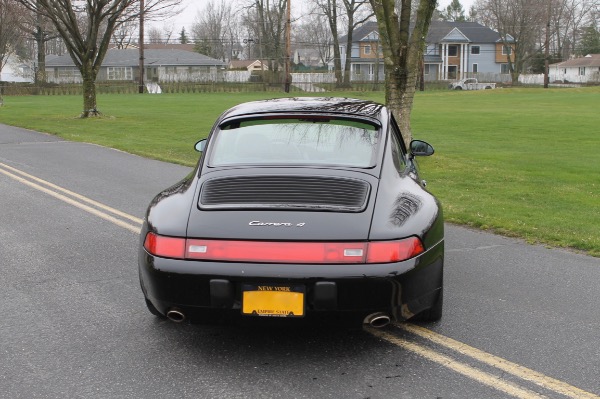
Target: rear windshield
{"points": [[294, 141]]}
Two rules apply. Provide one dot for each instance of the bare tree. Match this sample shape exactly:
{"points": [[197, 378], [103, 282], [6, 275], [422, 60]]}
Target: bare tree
{"points": [[567, 20], [41, 31], [313, 32], [265, 21], [11, 18], [403, 49], [214, 30], [356, 14], [155, 35], [125, 34], [520, 24], [329, 8], [87, 27]]}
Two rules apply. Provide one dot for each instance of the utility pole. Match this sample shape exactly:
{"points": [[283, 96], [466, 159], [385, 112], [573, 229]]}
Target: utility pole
{"points": [[288, 48], [141, 49], [547, 49]]}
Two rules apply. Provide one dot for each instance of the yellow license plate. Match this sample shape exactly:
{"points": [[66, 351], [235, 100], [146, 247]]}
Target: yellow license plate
{"points": [[273, 300]]}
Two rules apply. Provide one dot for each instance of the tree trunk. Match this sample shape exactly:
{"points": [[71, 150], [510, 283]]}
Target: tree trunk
{"points": [[330, 11], [40, 72], [402, 55], [89, 90], [347, 61]]}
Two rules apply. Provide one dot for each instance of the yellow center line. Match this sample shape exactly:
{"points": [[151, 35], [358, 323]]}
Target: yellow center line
{"points": [[500, 363], [73, 194], [70, 201], [481, 377]]}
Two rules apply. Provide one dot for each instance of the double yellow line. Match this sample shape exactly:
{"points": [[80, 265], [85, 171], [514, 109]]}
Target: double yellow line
{"points": [[133, 224], [494, 381], [105, 212]]}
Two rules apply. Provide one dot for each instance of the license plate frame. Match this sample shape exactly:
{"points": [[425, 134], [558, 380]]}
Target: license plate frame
{"points": [[273, 300]]}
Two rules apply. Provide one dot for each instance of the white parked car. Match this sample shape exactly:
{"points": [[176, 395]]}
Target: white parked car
{"points": [[470, 84]]}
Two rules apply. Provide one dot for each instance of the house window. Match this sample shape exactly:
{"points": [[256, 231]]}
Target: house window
{"points": [[506, 50], [452, 50], [565, 71], [171, 70], [475, 68], [426, 69], [120, 73], [504, 69], [475, 50], [65, 73], [367, 50], [581, 71], [452, 72]]}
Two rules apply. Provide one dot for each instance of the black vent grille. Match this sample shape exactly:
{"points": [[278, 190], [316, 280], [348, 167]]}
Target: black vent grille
{"points": [[285, 192]]}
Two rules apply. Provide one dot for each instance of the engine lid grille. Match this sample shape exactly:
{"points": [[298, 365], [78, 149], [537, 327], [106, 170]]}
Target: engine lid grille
{"points": [[285, 191]]}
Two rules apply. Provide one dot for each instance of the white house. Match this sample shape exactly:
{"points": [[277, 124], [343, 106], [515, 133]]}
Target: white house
{"points": [[16, 71], [577, 70]]}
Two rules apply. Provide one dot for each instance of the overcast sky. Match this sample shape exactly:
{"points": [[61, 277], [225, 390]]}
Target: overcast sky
{"points": [[191, 8]]}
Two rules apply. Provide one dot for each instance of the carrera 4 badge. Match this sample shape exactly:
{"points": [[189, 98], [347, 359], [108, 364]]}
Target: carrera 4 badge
{"points": [[274, 224]]}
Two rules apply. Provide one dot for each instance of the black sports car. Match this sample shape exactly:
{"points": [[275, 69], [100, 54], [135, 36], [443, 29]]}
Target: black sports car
{"points": [[297, 206]]}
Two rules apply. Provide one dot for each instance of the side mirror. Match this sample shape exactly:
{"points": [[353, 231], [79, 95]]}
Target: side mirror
{"points": [[200, 145], [421, 148]]}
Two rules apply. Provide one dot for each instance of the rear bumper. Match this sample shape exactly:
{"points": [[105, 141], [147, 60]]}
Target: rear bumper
{"points": [[400, 289]]}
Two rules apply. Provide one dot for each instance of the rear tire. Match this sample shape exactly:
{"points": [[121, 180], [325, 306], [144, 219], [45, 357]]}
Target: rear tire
{"points": [[153, 310], [458, 88], [434, 313]]}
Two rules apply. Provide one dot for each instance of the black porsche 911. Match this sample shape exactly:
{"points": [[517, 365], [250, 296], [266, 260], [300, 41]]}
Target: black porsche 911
{"points": [[298, 206]]}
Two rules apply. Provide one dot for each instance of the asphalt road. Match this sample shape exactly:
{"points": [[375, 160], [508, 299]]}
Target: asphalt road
{"points": [[520, 320]]}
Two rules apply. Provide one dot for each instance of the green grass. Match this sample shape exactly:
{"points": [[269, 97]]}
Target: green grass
{"points": [[521, 162]]}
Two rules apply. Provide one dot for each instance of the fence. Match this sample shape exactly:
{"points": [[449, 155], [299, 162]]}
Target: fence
{"points": [[227, 81], [563, 79]]}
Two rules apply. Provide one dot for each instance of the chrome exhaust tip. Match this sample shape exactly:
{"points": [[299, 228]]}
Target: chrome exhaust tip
{"points": [[175, 315], [377, 320]]}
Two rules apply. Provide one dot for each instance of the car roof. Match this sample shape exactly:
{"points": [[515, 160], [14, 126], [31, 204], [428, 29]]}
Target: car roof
{"points": [[349, 107]]}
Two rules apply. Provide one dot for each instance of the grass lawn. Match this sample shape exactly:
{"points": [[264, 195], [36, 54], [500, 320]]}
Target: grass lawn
{"points": [[522, 162]]}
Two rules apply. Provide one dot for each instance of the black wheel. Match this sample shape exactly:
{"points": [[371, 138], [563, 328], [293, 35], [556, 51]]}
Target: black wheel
{"points": [[458, 88], [435, 312], [153, 310], [488, 87]]}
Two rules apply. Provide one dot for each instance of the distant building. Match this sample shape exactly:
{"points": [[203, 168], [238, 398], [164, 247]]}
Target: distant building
{"points": [[16, 71], [577, 70], [123, 65], [455, 50], [249, 65]]}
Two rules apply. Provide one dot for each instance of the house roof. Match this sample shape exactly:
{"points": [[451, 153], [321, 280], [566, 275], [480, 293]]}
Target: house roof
{"points": [[439, 32], [239, 64], [130, 57], [590, 60], [473, 32], [361, 32]]}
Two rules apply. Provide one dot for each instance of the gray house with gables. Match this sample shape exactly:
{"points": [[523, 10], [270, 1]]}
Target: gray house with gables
{"points": [[455, 50]]}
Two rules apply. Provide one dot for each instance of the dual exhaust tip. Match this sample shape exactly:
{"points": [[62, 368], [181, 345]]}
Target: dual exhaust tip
{"points": [[376, 320], [175, 315]]}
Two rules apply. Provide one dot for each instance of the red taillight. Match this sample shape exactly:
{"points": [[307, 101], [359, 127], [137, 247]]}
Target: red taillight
{"points": [[284, 252], [394, 251], [166, 247], [277, 252]]}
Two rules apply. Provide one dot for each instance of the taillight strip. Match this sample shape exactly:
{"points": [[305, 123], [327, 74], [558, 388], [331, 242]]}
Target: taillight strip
{"points": [[284, 252]]}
